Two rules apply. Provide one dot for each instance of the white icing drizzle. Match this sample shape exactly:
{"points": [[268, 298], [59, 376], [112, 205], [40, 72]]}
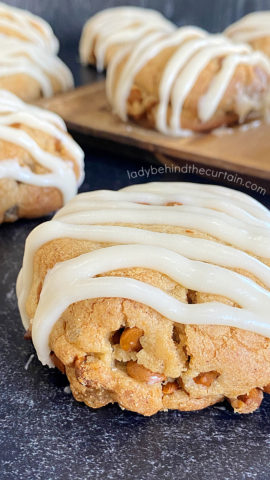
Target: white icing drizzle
{"points": [[118, 26], [17, 57], [24, 25], [250, 126], [195, 49], [252, 26], [61, 173], [199, 264]]}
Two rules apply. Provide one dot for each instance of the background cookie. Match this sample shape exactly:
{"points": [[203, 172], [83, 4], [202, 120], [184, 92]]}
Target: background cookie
{"points": [[41, 166], [188, 81]]}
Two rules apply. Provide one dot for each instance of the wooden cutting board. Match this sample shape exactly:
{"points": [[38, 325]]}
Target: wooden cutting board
{"points": [[245, 151]]}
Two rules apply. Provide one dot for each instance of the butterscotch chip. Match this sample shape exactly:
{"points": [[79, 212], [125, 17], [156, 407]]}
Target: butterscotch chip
{"points": [[206, 378], [130, 339], [249, 402], [142, 374], [57, 362], [170, 387]]}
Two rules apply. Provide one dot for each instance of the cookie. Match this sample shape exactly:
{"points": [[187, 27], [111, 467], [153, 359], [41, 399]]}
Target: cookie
{"points": [[41, 166], [155, 297], [188, 81]]}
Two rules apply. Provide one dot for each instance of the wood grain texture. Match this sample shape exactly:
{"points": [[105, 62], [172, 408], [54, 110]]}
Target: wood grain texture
{"points": [[86, 111], [68, 16]]}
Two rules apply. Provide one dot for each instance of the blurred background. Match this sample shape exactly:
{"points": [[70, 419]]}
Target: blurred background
{"points": [[68, 16]]}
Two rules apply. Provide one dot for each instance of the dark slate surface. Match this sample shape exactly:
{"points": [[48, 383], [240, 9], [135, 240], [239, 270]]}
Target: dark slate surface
{"points": [[46, 435]]}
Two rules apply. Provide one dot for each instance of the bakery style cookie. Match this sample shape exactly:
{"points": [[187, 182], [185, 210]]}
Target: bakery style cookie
{"points": [[254, 29], [111, 29], [23, 25], [31, 72], [188, 81], [155, 297], [41, 166]]}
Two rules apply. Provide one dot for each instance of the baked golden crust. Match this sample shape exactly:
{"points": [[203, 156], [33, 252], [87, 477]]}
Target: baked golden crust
{"points": [[206, 363], [19, 200], [27, 87], [262, 44]]}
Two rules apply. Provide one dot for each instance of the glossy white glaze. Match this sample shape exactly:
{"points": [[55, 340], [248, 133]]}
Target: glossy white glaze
{"points": [[118, 26], [251, 27], [200, 264], [26, 26], [17, 57]]}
